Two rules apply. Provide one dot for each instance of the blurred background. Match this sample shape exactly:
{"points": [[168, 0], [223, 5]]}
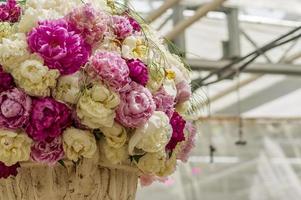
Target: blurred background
{"points": [[245, 57]]}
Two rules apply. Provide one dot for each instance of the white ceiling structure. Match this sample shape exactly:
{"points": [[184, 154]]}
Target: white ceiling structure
{"points": [[262, 21]]}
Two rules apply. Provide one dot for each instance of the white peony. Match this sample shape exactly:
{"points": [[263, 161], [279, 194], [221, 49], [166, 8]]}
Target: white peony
{"points": [[135, 47], [99, 4], [62, 7], [170, 87], [68, 88], [153, 136], [31, 17], [109, 44], [175, 64]]}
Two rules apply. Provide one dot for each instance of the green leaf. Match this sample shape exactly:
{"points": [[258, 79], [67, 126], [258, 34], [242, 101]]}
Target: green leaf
{"points": [[98, 134], [61, 162], [136, 158]]}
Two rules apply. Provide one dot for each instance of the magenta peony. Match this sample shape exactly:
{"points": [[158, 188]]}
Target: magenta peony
{"points": [[136, 106], [6, 80], [122, 27], [164, 102], [48, 152], [10, 11], [111, 69], [7, 171], [136, 26], [189, 143], [91, 24], [138, 71], [59, 45], [15, 108], [183, 92], [178, 125], [48, 119]]}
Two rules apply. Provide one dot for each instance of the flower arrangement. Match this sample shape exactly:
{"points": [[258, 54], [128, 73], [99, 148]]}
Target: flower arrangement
{"points": [[81, 79]]}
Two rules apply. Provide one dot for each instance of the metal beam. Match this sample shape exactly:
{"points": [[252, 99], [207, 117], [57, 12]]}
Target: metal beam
{"points": [[162, 9], [180, 40], [199, 13], [232, 46], [284, 88], [259, 98], [251, 79], [256, 68]]}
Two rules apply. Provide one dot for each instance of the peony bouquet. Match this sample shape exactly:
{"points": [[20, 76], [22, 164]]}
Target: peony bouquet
{"points": [[83, 79]]}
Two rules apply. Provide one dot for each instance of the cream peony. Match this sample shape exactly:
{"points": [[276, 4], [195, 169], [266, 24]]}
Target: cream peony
{"points": [[115, 136], [96, 107], [114, 155], [32, 16], [156, 78], [68, 88], [153, 136], [35, 78], [5, 30], [13, 51], [14, 147], [169, 167], [79, 143], [152, 163]]}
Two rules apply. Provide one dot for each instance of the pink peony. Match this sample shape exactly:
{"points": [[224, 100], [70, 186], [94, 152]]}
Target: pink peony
{"points": [[111, 69], [6, 80], [178, 125], [136, 106], [183, 92], [164, 102], [48, 119], [138, 71], [10, 11], [91, 24], [147, 180], [59, 45], [48, 152], [15, 108], [122, 27], [189, 143], [7, 171]]}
